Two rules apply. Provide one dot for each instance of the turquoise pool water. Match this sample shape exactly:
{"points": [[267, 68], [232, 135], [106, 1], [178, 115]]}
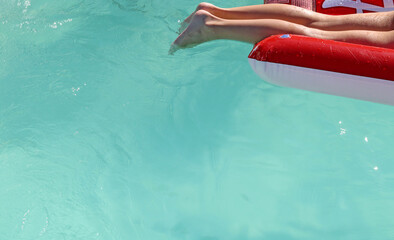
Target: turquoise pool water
{"points": [[105, 136]]}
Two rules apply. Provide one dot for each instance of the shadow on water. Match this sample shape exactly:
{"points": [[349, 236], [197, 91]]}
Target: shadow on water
{"points": [[133, 5]]}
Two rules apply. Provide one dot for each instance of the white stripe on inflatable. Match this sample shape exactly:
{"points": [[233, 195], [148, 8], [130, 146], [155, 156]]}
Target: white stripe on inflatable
{"points": [[339, 84], [388, 4], [359, 6]]}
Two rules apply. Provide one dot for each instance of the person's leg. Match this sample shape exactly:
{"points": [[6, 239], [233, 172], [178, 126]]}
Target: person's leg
{"points": [[373, 38], [367, 21], [268, 11], [206, 27]]}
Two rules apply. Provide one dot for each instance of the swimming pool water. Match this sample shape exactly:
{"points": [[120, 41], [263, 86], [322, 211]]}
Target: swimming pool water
{"points": [[103, 135]]}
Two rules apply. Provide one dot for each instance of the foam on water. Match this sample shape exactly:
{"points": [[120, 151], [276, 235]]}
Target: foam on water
{"points": [[103, 135]]}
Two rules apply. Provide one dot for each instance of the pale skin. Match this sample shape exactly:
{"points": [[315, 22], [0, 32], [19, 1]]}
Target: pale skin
{"points": [[254, 23]]}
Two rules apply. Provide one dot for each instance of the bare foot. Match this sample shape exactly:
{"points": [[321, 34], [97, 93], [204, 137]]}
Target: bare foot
{"points": [[197, 32], [202, 6]]}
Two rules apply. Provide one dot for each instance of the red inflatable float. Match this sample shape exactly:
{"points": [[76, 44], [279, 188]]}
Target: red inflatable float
{"points": [[326, 66]]}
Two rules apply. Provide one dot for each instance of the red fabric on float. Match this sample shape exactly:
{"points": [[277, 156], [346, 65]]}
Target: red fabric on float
{"points": [[326, 55], [326, 66]]}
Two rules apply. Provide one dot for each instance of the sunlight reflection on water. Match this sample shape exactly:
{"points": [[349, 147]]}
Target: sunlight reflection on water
{"points": [[103, 135]]}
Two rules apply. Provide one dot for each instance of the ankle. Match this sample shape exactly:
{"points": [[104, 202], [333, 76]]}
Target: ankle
{"points": [[207, 22], [203, 16], [207, 19], [206, 6]]}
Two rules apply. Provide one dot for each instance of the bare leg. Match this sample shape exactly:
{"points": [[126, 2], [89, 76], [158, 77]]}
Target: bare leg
{"points": [[367, 21], [373, 38], [268, 11], [206, 27]]}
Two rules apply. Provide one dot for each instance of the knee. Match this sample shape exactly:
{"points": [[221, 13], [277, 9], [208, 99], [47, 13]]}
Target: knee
{"points": [[202, 14], [381, 38], [391, 20], [389, 39]]}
